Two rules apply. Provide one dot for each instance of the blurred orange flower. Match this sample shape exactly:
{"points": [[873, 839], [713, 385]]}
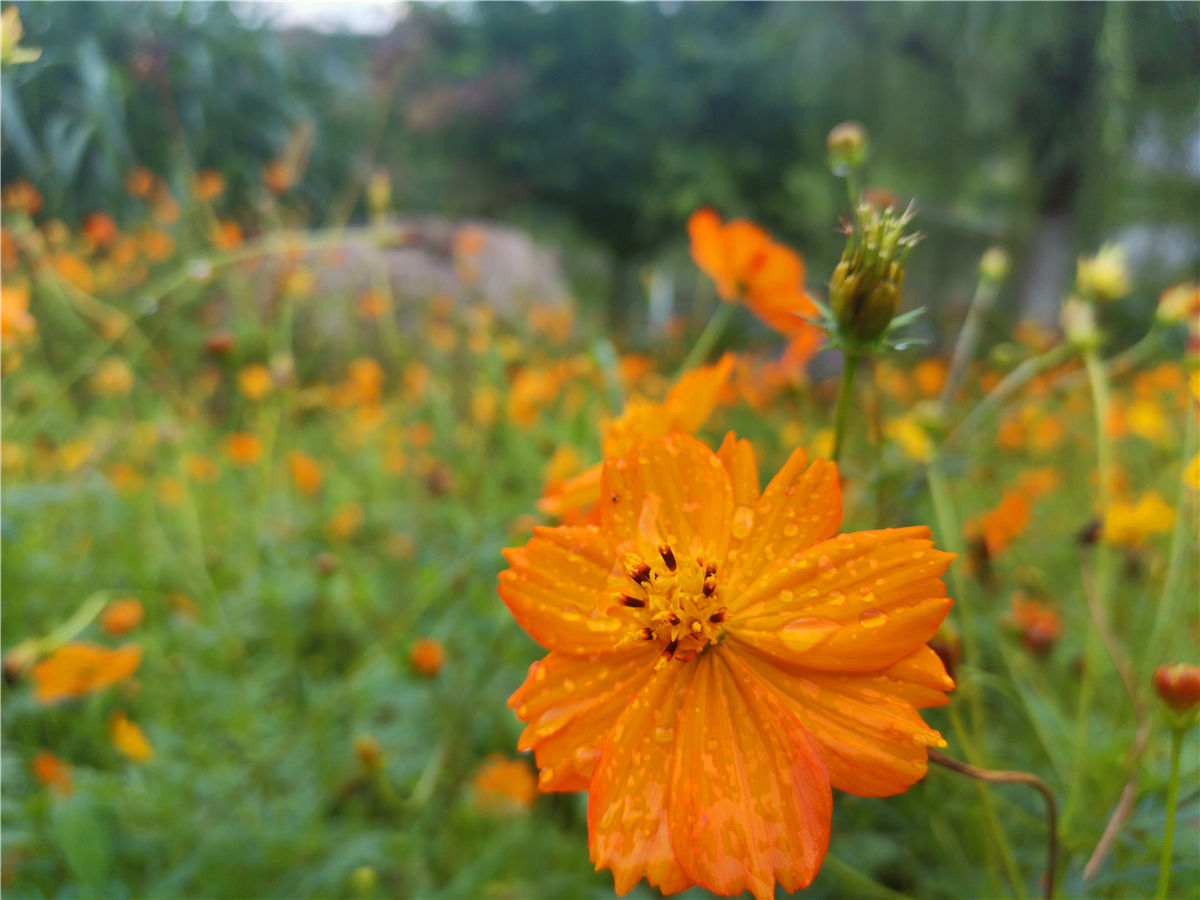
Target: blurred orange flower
{"points": [[747, 266], [345, 522], [686, 407], [74, 670], [73, 270], [208, 185], [21, 196], [277, 176], [1039, 624], [15, 320], [306, 472], [244, 448], [122, 616], [99, 229], [200, 468], [139, 182], [226, 235], [128, 738], [427, 657], [719, 658], [504, 786], [111, 378], [52, 772], [1002, 525], [372, 305], [255, 381]]}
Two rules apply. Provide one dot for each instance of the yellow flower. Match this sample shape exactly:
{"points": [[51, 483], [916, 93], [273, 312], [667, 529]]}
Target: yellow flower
{"points": [[129, 739], [1129, 525], [1104, 276], [112, 378], [1191, 473], [255, 382], [345, 521], [911, 437]]}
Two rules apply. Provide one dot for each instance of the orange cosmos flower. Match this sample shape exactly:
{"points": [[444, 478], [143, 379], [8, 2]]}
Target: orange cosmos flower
{"points": [[129, 739], [122, 616], [52, 772], [208, 185], [139, 182], [1002, 525], [1039, 624], [77, 669], [719, 658], [226, 235], [244, 448], [16, 323], [746, 265], [255, 381], [687, 405], [307, 474], [504, 786], [427, 657]]}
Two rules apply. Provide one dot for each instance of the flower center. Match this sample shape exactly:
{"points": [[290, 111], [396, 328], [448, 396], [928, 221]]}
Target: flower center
{"points": [[674, 601]]}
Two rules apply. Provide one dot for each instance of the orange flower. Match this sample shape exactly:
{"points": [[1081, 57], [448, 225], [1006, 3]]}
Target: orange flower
{"points": [[22, 197], [99, 229], [719, 658], [306, 472], [504, 786], [128, 738], [208, 185], [427, 657], [1178, 686], [255, 381], [277, 176], [1002, 525], [687, 405], [122, 616], [77, 669], [226, 235], [1038, 623], [15, 321], [139, 182], [345, 522], [746, 265], [244, 448], [52, 772]]}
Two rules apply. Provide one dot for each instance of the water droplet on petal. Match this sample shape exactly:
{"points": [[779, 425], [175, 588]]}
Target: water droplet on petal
{"points": [[743, 521], [872, 618]]}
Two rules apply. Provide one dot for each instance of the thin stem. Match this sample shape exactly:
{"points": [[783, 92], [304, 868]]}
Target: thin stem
{"points": [[1100, 584], [1009, 385], [708, 337], [995, 776], [1164, 865], [1179, 543], [968, 339], [849, 367]]}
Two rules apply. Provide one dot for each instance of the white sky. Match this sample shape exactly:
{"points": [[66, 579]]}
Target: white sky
{"points": [[361, 16]]}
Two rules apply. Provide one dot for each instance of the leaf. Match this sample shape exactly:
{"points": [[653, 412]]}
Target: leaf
{"points": [[85, 837]]}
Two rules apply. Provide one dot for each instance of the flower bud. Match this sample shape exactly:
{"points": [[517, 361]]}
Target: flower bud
{"points": [[364, 880], [864, 291], [994, 265], [1104, 276], [1078, 320], [1178, 686], [1180, 303], [368, 752], [379, 192], [847, 144]]}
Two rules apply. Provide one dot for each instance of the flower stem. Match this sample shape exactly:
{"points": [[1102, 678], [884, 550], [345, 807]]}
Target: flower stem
{"points": [[1000, 777], [849, 367], [1091, 652], [708, 337], [968, 339], [1164, 866]]}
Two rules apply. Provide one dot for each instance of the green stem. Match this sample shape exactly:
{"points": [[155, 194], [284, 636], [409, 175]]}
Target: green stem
{"points": [[968, 339], [709, 337], [1091, 653], [1164, 866], [1178, 553], [1009, 385], [849, 367]]}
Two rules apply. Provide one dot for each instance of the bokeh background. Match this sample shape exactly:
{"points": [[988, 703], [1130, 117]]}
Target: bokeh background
{"points": [[303, 745]]}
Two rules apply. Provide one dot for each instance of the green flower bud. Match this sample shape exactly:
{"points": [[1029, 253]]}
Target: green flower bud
{"points": [[864, 291], [994, 265], [847, 147]]}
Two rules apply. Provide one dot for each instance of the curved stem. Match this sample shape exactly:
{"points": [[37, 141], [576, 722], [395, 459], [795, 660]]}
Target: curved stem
{"points": [[995, 776], [708, 337], [1164, 865], [968, 340], [1100, 583], [849, 367]]}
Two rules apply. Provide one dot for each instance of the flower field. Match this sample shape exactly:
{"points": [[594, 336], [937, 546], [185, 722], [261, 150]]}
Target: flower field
{"points": [[317, 586]]}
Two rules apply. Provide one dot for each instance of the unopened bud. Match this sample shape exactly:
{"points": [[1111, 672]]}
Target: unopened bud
{"points": [[379, 192], [368, 752], [864, 291], [994, 265], [1104, 276], [1078, 320], [1178, 686], [847, 147]]}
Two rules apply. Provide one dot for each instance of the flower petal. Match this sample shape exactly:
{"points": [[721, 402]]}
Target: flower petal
{"points": [[738, 459], [571, 704], [750, 802], [799, 508], [630, 790], [871, 737], [691, 400], [572, 495], [557, 588], [857, 603], [693, 486], [709, 252]]}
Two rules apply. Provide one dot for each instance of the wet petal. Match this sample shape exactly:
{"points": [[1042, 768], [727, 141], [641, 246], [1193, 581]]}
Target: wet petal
{"points": [[630, 790], [750, 800], [857, 603], [738, 459], [799, 508], [571, 704], [871, 737], [572, 495], [558, 587], [691, 400], [693, 486]]}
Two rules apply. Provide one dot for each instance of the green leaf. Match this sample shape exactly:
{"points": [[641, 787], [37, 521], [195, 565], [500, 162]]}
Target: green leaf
{"points": [[85, 837]]}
